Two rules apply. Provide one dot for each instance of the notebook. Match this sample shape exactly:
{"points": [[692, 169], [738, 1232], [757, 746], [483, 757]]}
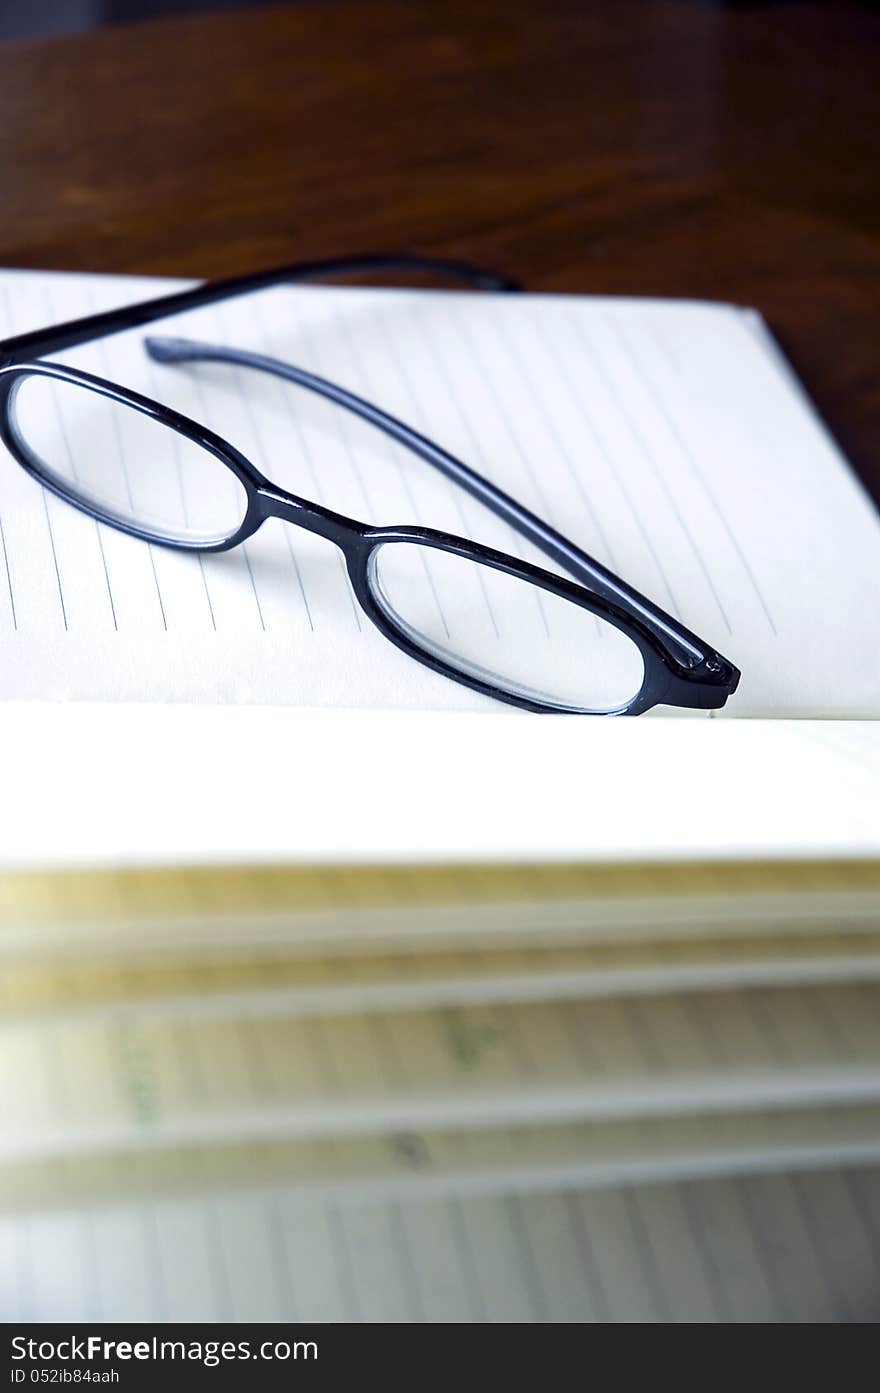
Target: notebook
{"points": [[566, 1093], [667, 438], [330, 990]]}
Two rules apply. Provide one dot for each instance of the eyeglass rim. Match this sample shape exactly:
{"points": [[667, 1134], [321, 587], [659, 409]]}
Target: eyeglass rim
{"points": [[360, 570], [356, 540], [12, 379]]}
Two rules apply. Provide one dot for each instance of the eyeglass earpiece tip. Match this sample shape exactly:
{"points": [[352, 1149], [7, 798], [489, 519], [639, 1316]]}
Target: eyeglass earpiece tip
{"points": [[163, 350]]}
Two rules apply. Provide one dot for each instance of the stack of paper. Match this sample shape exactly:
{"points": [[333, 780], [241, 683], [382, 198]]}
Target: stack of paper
{"points": [[451, 1053]]}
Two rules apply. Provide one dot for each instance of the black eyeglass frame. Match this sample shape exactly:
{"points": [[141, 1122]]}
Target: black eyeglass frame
{"points": [[679, 668]]}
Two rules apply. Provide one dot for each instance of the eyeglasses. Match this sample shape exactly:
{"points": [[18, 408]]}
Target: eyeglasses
{"points": [[506, 628]]}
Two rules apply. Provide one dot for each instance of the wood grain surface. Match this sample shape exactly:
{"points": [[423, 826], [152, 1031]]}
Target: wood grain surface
{"points": [[626, 147]]}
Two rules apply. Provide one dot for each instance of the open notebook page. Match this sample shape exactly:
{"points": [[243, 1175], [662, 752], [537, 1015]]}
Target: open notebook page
{"points": [[793, 1245], [664, 437]]}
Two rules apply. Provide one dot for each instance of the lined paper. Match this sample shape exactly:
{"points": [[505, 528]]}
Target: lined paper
{"points": [[788, 1246], [663, 437], [93, 1085], [204, 987], [430, 1162], [523, 1197]]}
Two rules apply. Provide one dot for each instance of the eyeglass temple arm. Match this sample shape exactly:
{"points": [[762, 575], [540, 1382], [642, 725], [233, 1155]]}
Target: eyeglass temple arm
{"points": [[54, 338], [686, 647]]}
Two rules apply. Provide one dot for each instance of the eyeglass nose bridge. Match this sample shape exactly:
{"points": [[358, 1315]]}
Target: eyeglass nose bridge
{"points": [[346, 533]]}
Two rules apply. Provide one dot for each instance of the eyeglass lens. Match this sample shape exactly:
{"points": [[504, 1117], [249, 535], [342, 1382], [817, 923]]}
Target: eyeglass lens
{"points": [[505, 630], [127, 465]]}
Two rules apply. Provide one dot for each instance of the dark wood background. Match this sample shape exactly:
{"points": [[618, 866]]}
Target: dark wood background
{"points": [[656, 147]]}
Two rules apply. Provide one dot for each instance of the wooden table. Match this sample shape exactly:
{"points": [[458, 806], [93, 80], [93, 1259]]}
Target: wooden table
{"points": [[632, 146]]}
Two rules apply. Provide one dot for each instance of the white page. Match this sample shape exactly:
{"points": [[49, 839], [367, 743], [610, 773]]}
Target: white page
{"points": [[788, 1246], [661, 436], [88, 785]]}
